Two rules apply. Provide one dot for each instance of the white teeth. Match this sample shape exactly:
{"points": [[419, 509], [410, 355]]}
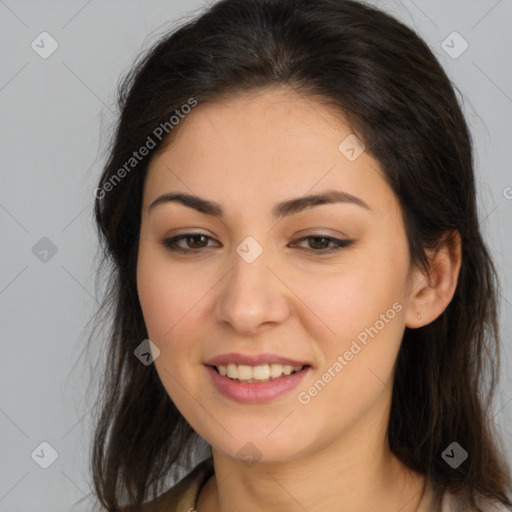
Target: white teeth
{"points": [[262, 372], [287, 369], [232, 371], [276, 370], [244, 372]]}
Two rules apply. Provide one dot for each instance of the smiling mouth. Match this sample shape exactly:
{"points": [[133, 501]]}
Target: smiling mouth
{"points": [[258, 373]]}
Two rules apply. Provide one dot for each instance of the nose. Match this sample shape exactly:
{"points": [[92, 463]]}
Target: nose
{"points": [[252, 297]]}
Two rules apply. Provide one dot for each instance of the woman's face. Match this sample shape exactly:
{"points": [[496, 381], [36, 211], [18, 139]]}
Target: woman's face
{"points": [[259, 283]]}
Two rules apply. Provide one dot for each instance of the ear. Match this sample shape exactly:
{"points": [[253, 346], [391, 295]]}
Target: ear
{"points": [[431, 293]]}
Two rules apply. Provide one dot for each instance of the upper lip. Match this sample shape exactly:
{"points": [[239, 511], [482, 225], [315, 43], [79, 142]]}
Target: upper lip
{"points": [[253, 360]]}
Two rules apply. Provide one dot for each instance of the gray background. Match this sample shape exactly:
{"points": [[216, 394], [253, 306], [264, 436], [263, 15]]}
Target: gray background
{"points": [[55, 116]]}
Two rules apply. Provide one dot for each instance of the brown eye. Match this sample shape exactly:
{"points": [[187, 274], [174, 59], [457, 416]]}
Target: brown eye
{"points": [[193, 242], [319, 244]]}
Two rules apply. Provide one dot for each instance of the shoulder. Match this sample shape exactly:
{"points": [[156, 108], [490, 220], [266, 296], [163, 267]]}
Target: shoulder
{"points": [[451, 503], [182, 496]]}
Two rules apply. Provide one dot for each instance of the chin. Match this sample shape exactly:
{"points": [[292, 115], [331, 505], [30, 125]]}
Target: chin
{"points": [[258, 449]]}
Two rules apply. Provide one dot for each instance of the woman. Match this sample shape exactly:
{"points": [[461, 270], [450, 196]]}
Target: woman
{"points": [[298, 277]]}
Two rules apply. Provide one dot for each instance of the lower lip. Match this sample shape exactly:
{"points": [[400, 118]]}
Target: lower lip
{"points": [[255, 392]]}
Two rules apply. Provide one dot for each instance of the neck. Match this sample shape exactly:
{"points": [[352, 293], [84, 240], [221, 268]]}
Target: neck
{"points": [[356, 472]]}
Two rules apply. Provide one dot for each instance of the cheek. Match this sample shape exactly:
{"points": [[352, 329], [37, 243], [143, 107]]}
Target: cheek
{"points": [[361, 307], [156, 299], [172, 303], [347, 301], [358, 366], [167, 296], [166, 304]]}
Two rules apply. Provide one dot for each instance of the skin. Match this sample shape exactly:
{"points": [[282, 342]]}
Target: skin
{"points": [[247, 154]]}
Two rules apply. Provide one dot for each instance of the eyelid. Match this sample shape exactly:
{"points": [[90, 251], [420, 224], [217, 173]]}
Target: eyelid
{"points": [[305, 233]]}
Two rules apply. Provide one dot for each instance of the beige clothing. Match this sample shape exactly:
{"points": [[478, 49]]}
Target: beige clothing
{"points": [[182, 496]]}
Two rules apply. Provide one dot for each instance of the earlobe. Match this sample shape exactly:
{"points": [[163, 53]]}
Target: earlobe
{"points": [[431, 294]]}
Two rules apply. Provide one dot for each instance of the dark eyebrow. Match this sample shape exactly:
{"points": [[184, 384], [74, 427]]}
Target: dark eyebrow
{"points": [[280, 210]]}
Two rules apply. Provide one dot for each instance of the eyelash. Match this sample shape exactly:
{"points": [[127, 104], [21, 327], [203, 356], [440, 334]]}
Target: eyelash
{"points": [[170, 243]]}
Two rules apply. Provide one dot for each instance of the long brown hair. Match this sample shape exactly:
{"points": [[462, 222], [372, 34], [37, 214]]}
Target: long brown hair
{"points": [[382, 77]]}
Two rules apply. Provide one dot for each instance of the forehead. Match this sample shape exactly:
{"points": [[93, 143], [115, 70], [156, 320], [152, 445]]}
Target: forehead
{"points": [[271, 144]]}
